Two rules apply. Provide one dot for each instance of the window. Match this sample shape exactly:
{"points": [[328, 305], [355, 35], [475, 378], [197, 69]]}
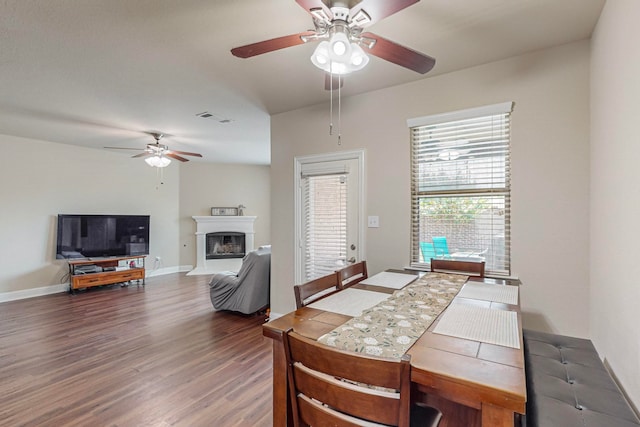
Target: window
{"points": [[325, 224], [460, 187]]}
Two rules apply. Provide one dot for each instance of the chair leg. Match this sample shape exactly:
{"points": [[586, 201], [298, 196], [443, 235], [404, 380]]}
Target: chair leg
{"points": [[424, 416]]}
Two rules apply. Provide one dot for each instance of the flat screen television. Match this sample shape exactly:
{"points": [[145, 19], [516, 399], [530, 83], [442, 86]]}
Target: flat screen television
{"points": [[91, 236]]}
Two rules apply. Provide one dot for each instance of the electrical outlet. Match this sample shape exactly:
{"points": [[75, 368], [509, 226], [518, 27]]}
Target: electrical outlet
{"points": [[374, 221]]}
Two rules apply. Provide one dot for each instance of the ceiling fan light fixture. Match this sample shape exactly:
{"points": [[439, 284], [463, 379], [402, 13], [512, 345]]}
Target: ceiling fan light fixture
{"points": [[320, 57], [340, 46], [359, 59], [339, 56], [339, 68], [158, 161]]}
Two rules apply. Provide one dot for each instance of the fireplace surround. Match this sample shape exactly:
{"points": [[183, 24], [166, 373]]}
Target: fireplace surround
{"points": [[234, 237]]}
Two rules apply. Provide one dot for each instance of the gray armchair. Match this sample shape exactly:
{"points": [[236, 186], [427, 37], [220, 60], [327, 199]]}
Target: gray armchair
{"points": [[248, 291]]}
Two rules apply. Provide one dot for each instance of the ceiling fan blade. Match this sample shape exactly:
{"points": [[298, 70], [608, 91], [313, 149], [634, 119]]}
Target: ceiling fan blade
{"points": [[175, 156], [266, 46], [400, 55], [379, 9], [337, 81], [186, 153], [144, 154]]}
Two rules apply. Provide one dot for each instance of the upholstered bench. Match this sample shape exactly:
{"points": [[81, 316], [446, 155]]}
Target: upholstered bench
{"points": [[568, 385]]}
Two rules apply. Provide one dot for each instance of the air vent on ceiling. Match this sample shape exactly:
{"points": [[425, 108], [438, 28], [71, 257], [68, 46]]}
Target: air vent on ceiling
{"points": [[219, 119]]}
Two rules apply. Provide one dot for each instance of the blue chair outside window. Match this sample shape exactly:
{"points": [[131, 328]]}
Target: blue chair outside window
{"points": [[440, 246], [428, 251]]}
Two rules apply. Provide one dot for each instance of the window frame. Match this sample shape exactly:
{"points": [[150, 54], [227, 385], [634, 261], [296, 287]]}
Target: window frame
{"points": [[418, 145], [316, 164]]}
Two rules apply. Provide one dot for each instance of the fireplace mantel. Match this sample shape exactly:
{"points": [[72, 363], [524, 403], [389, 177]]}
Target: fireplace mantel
{"points": [[215, 224]]}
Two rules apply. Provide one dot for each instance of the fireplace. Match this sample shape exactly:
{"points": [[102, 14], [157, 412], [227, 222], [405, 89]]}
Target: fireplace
{"points": [[222, 242], [225, 244]]}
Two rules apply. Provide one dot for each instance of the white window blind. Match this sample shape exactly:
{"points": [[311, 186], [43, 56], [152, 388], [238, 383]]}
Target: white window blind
{"points": [[325, 223], [460, 181]]}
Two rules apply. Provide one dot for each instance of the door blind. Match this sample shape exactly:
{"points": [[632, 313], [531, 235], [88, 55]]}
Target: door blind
{"points": [[325, 224]]}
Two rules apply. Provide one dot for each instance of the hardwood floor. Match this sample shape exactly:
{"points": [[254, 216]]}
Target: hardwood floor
{"points": [[139, 356]]}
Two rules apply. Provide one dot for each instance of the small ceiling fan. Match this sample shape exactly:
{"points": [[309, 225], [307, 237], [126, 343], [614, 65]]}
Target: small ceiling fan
{"points": [[158, 155], [343, 45]]}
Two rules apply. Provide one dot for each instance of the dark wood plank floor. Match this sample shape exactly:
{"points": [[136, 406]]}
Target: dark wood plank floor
{"points": [[139, 356]]}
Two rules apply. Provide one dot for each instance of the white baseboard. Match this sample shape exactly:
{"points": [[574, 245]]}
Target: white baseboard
{"points": [[64, 287], [168, 270], [34, 292]]}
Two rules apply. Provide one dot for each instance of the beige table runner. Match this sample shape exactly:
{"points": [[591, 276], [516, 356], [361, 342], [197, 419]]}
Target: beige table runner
{"points": [[389, 328]]}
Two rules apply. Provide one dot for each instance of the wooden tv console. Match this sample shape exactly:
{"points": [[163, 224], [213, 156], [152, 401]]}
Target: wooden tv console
{"points": [[79, 280]]}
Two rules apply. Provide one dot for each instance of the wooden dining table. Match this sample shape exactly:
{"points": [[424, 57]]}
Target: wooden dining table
{"points": [[473, 383]]}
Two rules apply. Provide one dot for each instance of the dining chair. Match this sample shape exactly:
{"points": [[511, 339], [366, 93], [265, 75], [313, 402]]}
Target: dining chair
{"points": [[329, 386], [313, 290], [471, 268], [440, 245], [352, 274]]}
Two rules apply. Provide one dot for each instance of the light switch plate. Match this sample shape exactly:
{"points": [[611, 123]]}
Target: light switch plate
{"points": [[374, 221]]}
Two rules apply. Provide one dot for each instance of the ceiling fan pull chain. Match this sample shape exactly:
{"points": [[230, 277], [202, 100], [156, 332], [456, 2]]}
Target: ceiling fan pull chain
{"points": [[159, 177], [330, 101], [339, 109]]}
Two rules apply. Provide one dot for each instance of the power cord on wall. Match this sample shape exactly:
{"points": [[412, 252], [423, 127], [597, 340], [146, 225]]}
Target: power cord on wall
{"points": [[65, 277]]}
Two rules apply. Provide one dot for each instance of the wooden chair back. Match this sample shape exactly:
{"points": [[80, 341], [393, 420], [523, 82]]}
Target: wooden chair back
{"points": [[321, 287], [326, 385], [470, 268], [352, 274]]}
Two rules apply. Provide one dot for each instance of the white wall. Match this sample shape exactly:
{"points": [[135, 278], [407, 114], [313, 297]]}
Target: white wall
{"points": [[205, 185], [39, 180], [550, 166], [615, 191]]}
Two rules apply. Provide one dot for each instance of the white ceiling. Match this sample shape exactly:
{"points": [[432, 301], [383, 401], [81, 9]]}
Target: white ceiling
{"points": [[101, 73]]}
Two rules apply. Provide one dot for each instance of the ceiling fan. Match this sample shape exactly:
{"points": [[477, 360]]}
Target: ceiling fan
{"points": [[158, 155], [343, 45]]}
